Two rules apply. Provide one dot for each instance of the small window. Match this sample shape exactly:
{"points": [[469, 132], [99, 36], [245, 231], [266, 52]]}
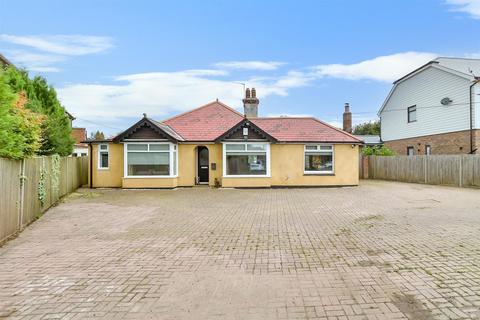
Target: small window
{"points": [[428, 150], [318, 159], [103, 156], [412, 114], [410, 151]]}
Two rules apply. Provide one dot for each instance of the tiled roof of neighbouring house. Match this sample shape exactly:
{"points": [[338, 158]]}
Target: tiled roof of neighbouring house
{"points": [[205, 123], [288, 129]]}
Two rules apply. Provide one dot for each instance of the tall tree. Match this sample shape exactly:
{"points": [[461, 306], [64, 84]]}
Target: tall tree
{"points": [[20, 128], [42, 99], [97, 135], [368, 128]]}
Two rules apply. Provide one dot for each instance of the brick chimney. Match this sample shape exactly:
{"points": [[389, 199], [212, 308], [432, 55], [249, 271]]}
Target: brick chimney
{"points": [[347, 119], [250, 103]]}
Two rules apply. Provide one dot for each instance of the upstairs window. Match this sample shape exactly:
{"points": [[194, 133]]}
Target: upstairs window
{"points": [[318, 159], [103, 155], [412, 114]]}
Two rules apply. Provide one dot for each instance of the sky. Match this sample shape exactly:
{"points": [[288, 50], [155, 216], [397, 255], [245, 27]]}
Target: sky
{"points": [[111, 61]]}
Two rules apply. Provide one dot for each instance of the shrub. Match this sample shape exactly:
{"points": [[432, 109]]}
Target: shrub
{"points": [[377, 151]]}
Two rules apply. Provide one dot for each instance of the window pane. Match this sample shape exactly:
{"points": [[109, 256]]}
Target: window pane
{"points": [[255, 147], [319, 162], [159, 147], [235, 147], [246, 164], [103, 147], [326, 148], [103, 159], [148, 163], [310, 147], [137, 147]]}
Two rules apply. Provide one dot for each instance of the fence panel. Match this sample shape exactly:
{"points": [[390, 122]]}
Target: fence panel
{"points": [[454, 170], [20, 205], [9, 196]]}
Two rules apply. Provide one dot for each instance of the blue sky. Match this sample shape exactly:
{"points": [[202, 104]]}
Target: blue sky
{"points": [[110, 61]]}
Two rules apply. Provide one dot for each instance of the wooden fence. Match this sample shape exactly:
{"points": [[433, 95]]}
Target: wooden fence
{"points": [[453, 170], [29, 187]]}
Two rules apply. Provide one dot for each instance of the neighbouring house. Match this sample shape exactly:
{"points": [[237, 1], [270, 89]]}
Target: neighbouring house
{"points": [[218, 146], [4, 62], [434, 109], [80, 148]]}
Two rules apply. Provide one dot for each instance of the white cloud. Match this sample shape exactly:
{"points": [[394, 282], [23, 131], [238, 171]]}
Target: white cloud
{"points": [[471, 7], [162, 93], [70, 45], [382, 68], [250, 65], [36, 61]]}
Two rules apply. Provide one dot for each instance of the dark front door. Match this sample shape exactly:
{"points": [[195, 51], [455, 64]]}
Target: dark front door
{"points": [[202, 165]]}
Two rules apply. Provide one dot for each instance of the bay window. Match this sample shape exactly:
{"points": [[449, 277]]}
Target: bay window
{"points": [[246, 159], [150, 160], [318, 159]]}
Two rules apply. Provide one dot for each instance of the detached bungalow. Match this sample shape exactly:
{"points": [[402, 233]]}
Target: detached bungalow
{"points": [[216, 145]]}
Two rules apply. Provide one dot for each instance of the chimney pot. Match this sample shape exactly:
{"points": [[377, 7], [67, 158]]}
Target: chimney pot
{"points": [[250, 103]]}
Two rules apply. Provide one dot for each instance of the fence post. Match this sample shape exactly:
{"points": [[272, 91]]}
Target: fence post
{"points": [[21, 194], [425, 168], [460, 169]]}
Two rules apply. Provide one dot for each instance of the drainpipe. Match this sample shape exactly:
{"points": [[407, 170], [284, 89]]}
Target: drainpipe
{"points": [[90, 155], [475, 81]]}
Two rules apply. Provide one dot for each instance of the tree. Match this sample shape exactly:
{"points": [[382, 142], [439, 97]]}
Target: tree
{"points": [[97, 135], [377, 151], [42, 99], [20, 128], [368, 128]]}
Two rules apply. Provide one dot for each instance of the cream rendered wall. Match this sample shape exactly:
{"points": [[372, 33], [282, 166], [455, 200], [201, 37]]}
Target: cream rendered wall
{"points": [[287, 166], [187, 160], [139, 183], [111, 177]]}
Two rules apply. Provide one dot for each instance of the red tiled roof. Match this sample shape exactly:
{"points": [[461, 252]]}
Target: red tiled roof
{"points": [[205, 123], [286, 129]]}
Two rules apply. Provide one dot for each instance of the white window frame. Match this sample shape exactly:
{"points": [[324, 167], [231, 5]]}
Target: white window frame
{"points": [[319, 150], [224, 160], [172, 150], [99, 162]]}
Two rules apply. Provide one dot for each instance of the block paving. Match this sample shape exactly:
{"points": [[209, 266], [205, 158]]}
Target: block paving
{"points": [[382, 250]]}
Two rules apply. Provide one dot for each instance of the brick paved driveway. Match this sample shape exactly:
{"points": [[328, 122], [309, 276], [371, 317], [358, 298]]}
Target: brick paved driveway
{"points": [[379, 251]]}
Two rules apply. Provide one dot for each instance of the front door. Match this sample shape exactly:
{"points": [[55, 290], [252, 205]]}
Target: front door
{"points": [[202, 165]]}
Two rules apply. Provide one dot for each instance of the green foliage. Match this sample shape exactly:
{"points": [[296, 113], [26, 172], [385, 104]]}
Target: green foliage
{"points": [[97, 135], [42, 99], [377, 151], [20, 128], [42, 189], [367, 128]]}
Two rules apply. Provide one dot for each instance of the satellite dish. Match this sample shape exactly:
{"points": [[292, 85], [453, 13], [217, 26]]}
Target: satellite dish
{"points": [[446, 101]]}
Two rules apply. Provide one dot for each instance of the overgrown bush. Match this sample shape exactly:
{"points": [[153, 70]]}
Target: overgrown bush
{"points": [[377, 151]]}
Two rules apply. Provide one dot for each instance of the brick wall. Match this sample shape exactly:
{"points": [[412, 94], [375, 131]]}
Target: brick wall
{"points": [[445, 143]]}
